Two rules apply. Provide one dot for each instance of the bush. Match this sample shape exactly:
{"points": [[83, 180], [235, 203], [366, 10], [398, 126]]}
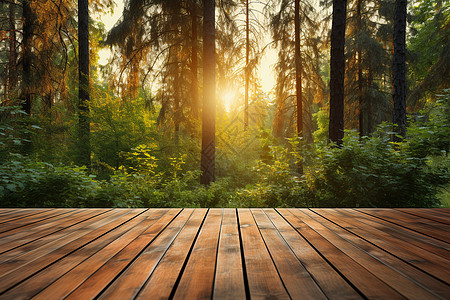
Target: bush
{"points": [[374, 172]]}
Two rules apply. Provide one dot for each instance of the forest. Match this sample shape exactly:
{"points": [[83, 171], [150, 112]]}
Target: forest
{"points": [[225, 103]]}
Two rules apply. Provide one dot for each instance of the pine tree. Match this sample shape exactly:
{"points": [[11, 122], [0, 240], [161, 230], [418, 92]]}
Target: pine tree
{"points": [[83, 91], [399, 69], [296, 33], [337, 71], [209, 90]]}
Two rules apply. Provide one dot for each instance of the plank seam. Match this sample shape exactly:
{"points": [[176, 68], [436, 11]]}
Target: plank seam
{"points": [[66, 255], [374, 257], [61, 229], [270, 254], [290, 248], [126, 267], [403, 260], [217, 254], [244, 268], [421, 216], [26, 215], [323, 256], [400, 225], [177, 282]]}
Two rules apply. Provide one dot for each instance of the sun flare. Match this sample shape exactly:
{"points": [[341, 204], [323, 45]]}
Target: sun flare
{"points": [[228, 98]]}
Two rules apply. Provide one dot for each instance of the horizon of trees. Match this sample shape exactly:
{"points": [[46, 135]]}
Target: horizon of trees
{"points": [[355, 70]]}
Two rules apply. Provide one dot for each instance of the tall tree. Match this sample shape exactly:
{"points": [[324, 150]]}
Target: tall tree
{"points": [[298, 76], [12, 47], [430, 32], [194, 60], [337, 71], [209, 91], [399, 68], [27, 36], [295, 29], [247, 67], [359, 67], [83, 91]]}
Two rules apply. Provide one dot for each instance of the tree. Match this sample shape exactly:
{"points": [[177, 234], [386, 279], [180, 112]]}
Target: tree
{"points": [[83, 91], [194, 60], [430, 33], [209, 91], [27, 37], [368, 52], [295, 29], [12, 48], [399, 69], [337, 71]]}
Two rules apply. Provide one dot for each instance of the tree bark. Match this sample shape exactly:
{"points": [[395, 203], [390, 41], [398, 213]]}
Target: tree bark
{"points": [[399, 69], [247, 71], [194, 61], [337, 72], [209, 94], [359, 66], [12, 49], [83, 90], [26, 67], [298, 76], [177, 99], [369, 100]]}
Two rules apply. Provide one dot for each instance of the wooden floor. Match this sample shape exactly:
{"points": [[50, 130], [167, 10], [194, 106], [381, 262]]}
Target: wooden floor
{"points": [[229, 253]]}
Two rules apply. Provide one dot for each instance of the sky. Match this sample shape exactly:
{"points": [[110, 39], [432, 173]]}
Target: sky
{"points": [[265, 70]]}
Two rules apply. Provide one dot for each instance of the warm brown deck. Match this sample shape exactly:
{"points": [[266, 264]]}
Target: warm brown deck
{"points": [[215, 253]]}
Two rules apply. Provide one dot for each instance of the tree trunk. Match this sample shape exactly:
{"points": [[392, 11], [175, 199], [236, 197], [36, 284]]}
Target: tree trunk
{"points": [[26, 67], [83, 90], [194, 61], [247, 71], [12, 49], [177, 98], [337, 71], [209, 94], [359, 66], [399, 69], [298, 76], [369, 100]]}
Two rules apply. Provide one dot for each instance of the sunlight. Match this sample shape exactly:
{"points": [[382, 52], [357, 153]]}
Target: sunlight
{"points": [[228, 98]]}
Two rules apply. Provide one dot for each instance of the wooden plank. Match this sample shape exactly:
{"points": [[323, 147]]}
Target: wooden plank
{"points": [[104, 276], [229, 279], [262, 276], [14, 214], [129, 283], [414, 223], [8, 280], [72, 279], [32, 285], [19, 256], [33, 219], [364, 281], [420, 240], [198, 277], [424, 260], [435, 214], [26, 234], [331, 282], [438, 249], [295, 277], [419, 277], [43, 244], [380, 269], [166, 273]]}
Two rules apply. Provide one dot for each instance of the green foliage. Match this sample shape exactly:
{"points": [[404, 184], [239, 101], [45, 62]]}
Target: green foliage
{"points": [[373, 173], [15, 130], [25, 183]]}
